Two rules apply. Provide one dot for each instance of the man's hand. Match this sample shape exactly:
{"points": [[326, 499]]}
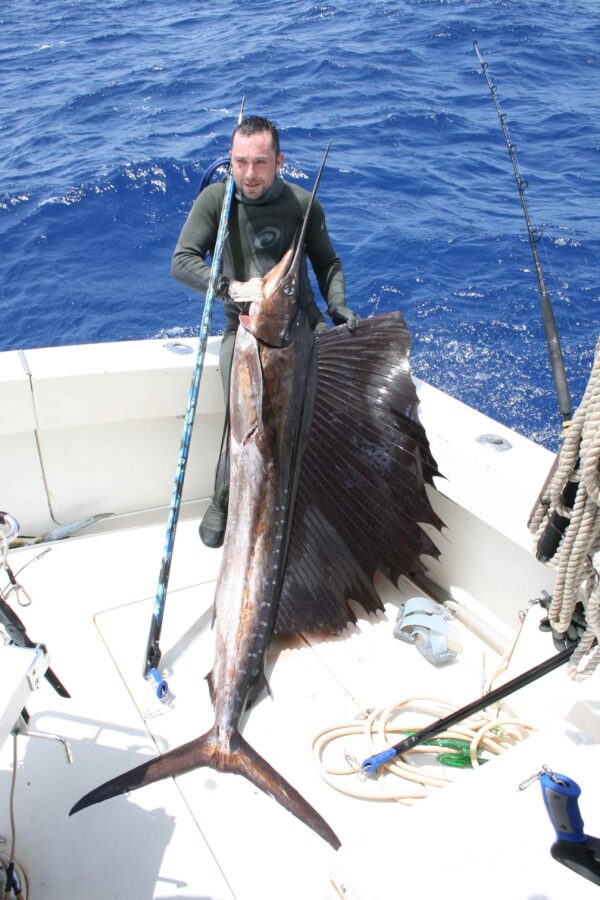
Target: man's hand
{"points": [[320, 327], [344, 316], [222, 291]]}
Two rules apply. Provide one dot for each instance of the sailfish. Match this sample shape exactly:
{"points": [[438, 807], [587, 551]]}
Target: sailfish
{"points": [[328, 471]]}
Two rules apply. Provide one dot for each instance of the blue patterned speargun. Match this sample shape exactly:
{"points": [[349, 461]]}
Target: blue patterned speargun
{"points": [[153, 649]]}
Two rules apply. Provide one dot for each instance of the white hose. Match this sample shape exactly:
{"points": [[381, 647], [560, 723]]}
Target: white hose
{"points": [[402, 779]]}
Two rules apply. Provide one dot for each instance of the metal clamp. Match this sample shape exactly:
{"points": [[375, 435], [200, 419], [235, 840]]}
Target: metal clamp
{"points": [[425, 623], [9, 526]]}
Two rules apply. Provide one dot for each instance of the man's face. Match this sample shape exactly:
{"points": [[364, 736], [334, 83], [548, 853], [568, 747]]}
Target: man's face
{"points": [[254, 163]]}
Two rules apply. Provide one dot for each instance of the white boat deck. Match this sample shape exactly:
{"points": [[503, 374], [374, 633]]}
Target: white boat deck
{"points": [[206, 835]]}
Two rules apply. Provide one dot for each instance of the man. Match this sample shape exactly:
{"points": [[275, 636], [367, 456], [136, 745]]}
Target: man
{"points": [[265, 215]]}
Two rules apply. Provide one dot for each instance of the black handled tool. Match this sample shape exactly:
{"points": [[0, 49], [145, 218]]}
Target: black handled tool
{"points": [[16, 633], [371, 764]]}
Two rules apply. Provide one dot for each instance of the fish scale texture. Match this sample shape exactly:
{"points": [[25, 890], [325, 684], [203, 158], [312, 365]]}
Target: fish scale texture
{"points": [[362, 497]]}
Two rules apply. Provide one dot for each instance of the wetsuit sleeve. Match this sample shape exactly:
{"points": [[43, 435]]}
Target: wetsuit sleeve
{"points": [[326, 264], [197, 240]]}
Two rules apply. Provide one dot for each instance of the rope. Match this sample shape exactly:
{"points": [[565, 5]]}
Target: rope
{"points": [[577, 558], [402, 780], [11, 802], [11, 876]]}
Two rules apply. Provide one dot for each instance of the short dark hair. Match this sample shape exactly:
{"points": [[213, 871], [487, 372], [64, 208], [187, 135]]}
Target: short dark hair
{"points": [[256, 125]]}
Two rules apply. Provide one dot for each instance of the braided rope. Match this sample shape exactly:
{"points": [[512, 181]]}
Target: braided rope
{"points": [[577, 558]]}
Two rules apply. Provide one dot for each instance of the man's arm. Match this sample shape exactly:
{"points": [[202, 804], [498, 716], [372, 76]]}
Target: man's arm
{"points": [[197, 240], [324, 260], [328, 269]]}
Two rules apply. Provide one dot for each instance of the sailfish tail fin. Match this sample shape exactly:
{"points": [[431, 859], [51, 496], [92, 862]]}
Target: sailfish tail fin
{"points": [[257, 770], [240, 758]]}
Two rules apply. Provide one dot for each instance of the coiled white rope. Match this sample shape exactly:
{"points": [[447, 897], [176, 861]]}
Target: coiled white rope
{"points": [[577, 559], [402, 780]]}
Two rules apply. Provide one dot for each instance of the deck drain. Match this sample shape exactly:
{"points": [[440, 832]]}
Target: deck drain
{"points": [[494, 442], [178, 347]]}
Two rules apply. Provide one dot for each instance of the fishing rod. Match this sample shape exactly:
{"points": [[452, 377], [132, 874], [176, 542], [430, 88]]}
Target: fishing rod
{"points": [[551, 331], [153, 653]]}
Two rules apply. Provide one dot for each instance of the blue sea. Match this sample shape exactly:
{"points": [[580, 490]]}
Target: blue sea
{"points": [[111, 110]]}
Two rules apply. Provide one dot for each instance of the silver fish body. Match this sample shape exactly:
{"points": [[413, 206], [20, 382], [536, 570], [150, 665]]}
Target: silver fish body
{"points": [[270, 414]]}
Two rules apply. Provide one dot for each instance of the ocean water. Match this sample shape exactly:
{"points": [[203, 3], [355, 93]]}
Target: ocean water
{"points": [[111, 110]]}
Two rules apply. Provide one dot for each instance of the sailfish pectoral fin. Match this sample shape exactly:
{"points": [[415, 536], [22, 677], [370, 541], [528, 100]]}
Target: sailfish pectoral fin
{"points": [[239, 758]]}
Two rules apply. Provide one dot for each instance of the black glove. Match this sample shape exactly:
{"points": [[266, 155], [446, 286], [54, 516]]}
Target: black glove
{"points": [[222, 291], [575, 631], [320, 327], [344, 316]]}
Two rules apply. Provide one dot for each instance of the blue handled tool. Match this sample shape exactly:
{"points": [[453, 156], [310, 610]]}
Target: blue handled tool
{"points": [[573, 848], [560, 797]]}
